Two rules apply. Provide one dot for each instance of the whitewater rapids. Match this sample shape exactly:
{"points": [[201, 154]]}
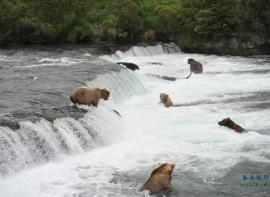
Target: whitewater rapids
{"points": [[210, 160]]}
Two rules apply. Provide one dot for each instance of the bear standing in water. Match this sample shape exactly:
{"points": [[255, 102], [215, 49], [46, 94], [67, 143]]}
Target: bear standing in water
{"points": [[195, 67], [89, 96], [160, 179], [166, 100]]}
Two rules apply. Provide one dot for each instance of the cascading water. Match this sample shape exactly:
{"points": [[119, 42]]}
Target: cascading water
{"points": [[136, 51], [121, 151], [44, 140], [122, 85]]}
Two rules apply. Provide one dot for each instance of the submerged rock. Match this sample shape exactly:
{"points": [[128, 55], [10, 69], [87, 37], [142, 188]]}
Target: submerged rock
{"points": [[129, 65], [13, 120], [163, 77]]}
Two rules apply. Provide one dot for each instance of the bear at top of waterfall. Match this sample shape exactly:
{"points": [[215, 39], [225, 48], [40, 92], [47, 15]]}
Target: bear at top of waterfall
{"points": [[166, 100], [227, 122], [195, 66], [89, 96], [159, 179]]}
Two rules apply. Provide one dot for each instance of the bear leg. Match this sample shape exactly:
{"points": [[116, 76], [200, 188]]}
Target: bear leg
{"points": [[95, 103]]}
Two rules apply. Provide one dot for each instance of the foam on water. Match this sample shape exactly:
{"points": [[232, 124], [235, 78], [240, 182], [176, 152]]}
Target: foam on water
{"points": [[63, 61], [122, 85], [149, 133], [41, 141], [142, 51], [87, 55], [4, 58]]}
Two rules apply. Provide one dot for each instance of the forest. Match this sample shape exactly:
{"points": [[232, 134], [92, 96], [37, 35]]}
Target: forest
{"points": [[195, 25]]}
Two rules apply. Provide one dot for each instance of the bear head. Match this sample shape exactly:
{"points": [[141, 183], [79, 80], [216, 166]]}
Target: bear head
{"points": [[225, 122], [190, 60], [163, 97], [105, 94], [166, 168]]}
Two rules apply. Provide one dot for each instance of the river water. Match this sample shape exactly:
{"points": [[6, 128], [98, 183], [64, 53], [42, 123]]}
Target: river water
{"points": [[49, 148]]}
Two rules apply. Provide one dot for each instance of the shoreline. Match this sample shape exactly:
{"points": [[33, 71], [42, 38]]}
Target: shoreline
{"points": [[108, 47]]}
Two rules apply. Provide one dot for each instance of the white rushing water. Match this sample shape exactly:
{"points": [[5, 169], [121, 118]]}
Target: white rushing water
{"points": [[148, 133]]}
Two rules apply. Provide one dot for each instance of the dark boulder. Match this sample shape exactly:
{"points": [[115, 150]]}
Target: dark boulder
{"points": [[129, 65], [163, 77]]}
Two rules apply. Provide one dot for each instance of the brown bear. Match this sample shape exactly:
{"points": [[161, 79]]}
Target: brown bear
{"points": [[164, 98], [160, 179], [227, 122], [89, 96], [195, 67]]}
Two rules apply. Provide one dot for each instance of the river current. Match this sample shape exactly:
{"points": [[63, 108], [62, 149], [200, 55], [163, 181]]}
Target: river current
{"points": [[49, 148]]}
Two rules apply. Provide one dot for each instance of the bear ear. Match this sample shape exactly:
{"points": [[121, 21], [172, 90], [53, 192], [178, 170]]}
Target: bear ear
{"points": [[105, 90], [163, 94], [168, 167]]}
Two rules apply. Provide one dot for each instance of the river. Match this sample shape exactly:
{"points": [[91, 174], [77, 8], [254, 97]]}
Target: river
{"points": [[49, 148]]}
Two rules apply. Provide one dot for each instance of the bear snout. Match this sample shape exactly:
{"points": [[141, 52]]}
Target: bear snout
{"points": [[220, 123], [107, 96]]}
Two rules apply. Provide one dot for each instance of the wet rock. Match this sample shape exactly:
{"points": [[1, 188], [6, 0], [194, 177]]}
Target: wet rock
{"points": [[163, 77], [12, 124], [129, 65]]}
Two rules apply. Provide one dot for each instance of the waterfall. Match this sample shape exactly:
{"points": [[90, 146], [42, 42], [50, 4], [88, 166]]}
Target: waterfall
{"points": [[143, 51], [37, 142], [122, 85]]}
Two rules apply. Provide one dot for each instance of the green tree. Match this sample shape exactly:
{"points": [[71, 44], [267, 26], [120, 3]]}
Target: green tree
{"points": [[169, 20], [211, 19], [74, 29], [124, 19]]}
